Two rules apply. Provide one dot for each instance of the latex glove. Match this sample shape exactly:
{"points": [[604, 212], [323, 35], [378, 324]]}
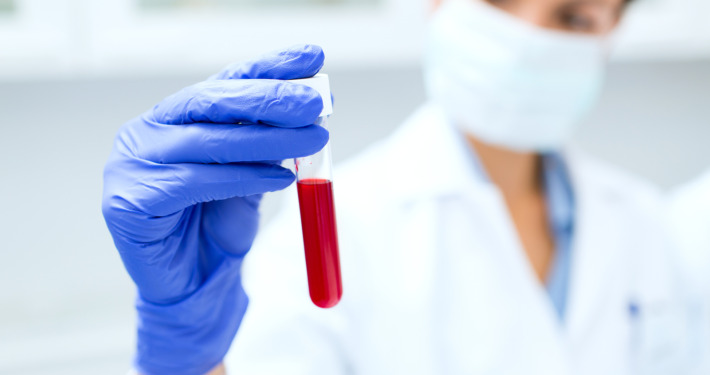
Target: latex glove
{"points": [[181, 194]]}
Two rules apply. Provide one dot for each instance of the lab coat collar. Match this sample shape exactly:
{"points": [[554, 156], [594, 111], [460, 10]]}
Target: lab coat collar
{"points": [[431, 158], [599, 231]]}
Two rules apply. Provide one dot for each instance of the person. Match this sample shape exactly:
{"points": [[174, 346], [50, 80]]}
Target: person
{"points": [[473, 239]]}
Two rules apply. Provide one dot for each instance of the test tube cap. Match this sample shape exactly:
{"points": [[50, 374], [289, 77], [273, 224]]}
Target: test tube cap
{"points": [[320, 83]]}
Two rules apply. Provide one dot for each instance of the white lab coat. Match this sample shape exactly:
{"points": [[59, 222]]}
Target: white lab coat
{"points": [[689, 223], [436, 282], [689, 214]]}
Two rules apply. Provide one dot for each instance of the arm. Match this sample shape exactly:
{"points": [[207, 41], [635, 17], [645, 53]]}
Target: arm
{"points": [[181, 194], [219, 370]]}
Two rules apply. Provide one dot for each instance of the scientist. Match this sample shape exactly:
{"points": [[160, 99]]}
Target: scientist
{"points": [[472, 240]]}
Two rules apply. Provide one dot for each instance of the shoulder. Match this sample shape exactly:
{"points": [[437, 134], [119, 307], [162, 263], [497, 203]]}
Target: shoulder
{"points": [[692, 199], [688, 209], [612, 183], [383, 170], [631, 210], [688, 219]]}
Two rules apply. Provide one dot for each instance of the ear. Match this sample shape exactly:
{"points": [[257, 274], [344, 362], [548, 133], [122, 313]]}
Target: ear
{"points": [[621, 12]]}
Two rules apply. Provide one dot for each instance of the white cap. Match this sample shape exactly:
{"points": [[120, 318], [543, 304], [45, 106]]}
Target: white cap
{"points": [[320, 83]]}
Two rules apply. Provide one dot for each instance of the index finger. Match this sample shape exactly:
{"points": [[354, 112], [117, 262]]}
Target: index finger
{"points": [[299, 61], [272, 102]]}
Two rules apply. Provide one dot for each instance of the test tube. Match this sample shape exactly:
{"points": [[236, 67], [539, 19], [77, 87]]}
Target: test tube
{"points": [[314, 183]]}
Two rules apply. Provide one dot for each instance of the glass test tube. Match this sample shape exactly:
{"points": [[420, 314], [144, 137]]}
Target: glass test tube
{"points": [[315, 197]]}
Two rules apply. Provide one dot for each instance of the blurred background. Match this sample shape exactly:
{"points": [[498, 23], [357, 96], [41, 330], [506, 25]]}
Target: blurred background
{"points": [[72, 71]]}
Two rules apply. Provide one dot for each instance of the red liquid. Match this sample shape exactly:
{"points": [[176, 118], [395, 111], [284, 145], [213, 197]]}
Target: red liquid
{"points": [[320, 238]]}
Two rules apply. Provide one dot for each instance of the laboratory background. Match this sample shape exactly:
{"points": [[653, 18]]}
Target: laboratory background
{"points": [[73, 71]]}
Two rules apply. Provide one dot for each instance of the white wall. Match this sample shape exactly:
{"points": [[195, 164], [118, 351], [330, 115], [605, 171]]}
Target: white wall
{"points": [[80, 38]]}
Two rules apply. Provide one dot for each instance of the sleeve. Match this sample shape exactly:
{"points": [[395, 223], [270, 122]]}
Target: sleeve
{"points": [[689, 222], [283, 332], [688, 218]]}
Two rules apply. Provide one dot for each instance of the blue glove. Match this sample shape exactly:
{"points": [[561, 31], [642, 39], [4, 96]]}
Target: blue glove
{"points": [[181, 194]]}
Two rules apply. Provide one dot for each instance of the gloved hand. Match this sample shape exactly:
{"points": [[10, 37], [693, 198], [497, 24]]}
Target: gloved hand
{"points": [[181, 194]]}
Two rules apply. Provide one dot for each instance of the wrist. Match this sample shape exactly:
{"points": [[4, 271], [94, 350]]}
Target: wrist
{"points": [[219, 370], [192, 336]]}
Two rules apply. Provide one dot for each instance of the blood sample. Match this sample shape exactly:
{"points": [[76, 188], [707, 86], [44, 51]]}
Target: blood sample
{"points": [[320, 238], [315, 196]]}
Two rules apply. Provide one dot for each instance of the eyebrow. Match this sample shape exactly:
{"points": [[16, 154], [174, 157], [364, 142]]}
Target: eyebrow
{"points": [[593, 2], [574, 3]]}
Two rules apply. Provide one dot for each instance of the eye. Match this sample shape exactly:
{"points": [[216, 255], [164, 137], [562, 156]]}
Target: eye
{"points": [[575, 21]]}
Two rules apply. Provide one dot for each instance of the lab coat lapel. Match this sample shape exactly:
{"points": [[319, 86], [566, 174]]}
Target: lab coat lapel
{"points": [[503, 301], [502, 291], [596, 250]]}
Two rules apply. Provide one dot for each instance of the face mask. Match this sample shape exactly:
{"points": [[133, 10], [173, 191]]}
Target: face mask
{"points": [[507, 82]]}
